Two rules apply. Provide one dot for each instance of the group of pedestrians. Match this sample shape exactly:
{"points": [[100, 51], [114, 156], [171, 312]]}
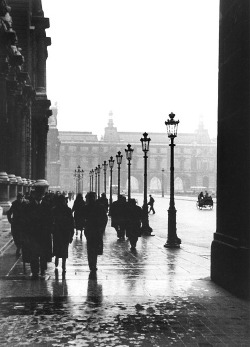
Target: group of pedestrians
{"points": [[43, 226], [126, 218]]}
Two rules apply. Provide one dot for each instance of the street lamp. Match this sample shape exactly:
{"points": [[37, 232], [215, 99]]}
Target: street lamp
{"points": [[129, 152], [162, 183], [92, 180], [111, 165], [78, 174], [173, 241], [146, 229], [98, 179], [119, 161], [105, 165]]}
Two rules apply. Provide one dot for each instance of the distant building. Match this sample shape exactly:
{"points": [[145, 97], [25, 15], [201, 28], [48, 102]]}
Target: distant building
{"points": [[195, 159]]}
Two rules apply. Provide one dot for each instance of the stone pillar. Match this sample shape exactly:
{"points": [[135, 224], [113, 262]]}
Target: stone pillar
{"points": [[40, 127], [4, 192], [230, 255], [41, 23], [13, 187], [25, 185], [29, 185]]}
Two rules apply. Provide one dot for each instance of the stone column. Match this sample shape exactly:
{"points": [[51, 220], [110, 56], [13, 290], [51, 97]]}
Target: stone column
{"points": [[29, 184], [4, 192], [13, 187], [25, 185], [230, 253]]}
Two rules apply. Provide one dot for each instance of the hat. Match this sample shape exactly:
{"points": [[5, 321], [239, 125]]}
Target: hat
{"points": [[19, 195], [41, 183]]}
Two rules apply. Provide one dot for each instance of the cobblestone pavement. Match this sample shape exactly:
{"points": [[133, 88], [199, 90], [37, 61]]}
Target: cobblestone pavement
{"points": [[151, 297]]}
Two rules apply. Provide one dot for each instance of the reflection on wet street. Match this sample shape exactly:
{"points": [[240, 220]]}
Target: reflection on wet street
{"points": [[149, 297]]}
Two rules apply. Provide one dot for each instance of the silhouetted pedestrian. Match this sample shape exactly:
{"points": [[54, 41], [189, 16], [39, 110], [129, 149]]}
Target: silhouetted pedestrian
{"points": [[96, 219], [70, 195], [104, 201], [37, 238], [15, 217], [78, 211], [63, 230], [118, 214], [134, 222], [151, 204]]}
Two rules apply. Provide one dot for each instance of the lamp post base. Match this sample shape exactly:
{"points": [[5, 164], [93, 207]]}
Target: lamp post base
{"points": [[173, 244], [146, 230], [173, 240]]}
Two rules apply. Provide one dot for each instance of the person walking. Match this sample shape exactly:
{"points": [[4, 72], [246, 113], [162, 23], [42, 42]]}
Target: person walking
{"points": [[118, 214], [134, 222], [78, 211], [37, 234], [63, 230], [104, 201], [95, 222], [151, 204], [15, 217]]}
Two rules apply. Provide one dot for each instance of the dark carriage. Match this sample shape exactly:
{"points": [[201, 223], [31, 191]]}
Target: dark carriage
{"points": [[206, 202]]}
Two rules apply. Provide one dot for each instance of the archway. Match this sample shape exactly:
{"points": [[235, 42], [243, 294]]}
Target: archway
{"points": [[155, 185], [134, 184], [178, 184]]}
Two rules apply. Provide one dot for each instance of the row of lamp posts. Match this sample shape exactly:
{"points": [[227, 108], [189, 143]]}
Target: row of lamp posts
{"points": [[172, 125], [110, 164]]}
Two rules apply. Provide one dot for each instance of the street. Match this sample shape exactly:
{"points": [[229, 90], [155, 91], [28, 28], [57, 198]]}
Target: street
{"points": [[194, 226], [149, 297]]}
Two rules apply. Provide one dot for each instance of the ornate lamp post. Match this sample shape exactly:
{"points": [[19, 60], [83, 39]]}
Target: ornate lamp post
{"points": [[78, 174], [105, 166], [146, 229], [162, 182], [98, 179], [173, 241], [129, 152], [119, 161], [111, 165], [92, 180]]}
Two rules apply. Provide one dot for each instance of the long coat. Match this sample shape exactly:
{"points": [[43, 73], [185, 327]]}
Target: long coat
{"points": [[96, 219], [37, 238], [118, 214], [63, 230], [78, 210], [15, 217], [134, 221]]}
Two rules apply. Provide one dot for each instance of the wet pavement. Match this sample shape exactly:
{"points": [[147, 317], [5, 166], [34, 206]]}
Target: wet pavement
{"points": [[149, 297]]}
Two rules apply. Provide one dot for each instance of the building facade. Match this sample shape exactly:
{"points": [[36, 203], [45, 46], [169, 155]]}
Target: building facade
{"points": [[53, 152], [24, 107], [195, 159]]}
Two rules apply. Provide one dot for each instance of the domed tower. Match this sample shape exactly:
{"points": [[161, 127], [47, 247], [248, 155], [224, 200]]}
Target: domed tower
{"points": [[111, 134]]}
